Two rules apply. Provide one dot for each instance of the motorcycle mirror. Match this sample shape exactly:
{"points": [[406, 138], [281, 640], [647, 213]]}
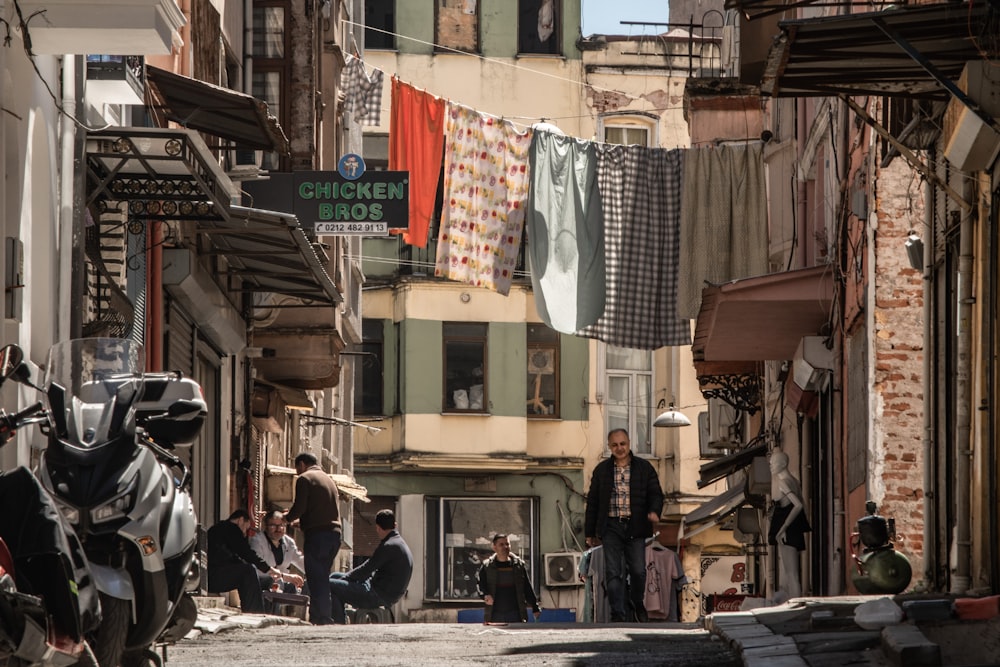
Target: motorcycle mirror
{"points": [[11, 359], [184, 410]]}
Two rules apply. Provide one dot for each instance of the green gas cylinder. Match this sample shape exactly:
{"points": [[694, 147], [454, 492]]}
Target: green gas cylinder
{"points": [[882, 571]]}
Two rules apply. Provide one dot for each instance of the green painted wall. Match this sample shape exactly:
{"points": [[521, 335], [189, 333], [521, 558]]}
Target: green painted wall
{"points": [[563, 488], [422, 361], [497, 28], [506, 364], [574, 377], [390, 367]]}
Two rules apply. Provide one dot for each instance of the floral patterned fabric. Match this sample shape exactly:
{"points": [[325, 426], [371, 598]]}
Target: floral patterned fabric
{"points": [[485, 189]]}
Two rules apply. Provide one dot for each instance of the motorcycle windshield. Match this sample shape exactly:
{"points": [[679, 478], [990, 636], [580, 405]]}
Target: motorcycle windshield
{"points": [[100, 379]]}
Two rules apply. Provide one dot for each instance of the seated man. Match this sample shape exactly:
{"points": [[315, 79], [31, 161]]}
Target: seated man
{"points": [[380, 580], [277, 549], [232, 564]]}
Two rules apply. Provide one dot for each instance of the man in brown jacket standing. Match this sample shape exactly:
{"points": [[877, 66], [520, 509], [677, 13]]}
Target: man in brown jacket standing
{"points": [[317, 509]]}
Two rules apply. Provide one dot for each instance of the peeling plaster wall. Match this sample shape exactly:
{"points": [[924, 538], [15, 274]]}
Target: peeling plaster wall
{"points": [[898, 348]]}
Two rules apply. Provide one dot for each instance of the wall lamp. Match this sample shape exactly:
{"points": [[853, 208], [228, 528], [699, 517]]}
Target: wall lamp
{"points": [[671, 418]]}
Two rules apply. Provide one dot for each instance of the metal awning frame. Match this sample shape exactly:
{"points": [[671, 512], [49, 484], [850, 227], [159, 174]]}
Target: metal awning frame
{"points": [[130, 164], [170, 174], [911, 51]]}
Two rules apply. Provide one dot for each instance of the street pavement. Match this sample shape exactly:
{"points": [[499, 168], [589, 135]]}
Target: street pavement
{"points": [[226, 637], [804, 632]]}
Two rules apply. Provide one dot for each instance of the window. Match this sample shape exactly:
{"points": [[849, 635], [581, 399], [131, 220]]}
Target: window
{"points": [[368, 387], [465, 367], [628, 376], [268, 32], [269, 49], [381, 15], [460, 537], [627, 136], [458, 25], [538, 26], [629, 129], [543, 372]]}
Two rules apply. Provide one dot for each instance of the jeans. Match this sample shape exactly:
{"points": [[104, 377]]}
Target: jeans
{"points": [[246, 579], [358, 594], [624, 555], [319, 549]]}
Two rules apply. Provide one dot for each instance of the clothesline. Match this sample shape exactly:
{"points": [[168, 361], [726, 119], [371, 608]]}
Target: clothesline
{"points": [[494, 61]]}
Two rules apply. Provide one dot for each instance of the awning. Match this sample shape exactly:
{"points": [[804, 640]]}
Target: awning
{"points": [[238, 117], [280, 484], [293, 398], [718, 507], [854, 54], [727, 465], [350, 489], [762, 318], [713, 511], [267, 251]]}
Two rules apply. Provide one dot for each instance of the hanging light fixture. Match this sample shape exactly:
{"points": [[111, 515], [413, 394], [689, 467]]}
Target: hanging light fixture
{"points": [[671, 418]]}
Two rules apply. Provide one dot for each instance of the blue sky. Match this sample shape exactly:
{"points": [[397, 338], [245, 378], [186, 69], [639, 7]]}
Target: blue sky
{"points": [[604, 16]]}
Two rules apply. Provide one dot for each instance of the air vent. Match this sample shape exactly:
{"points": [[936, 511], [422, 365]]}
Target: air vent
{"points": [[561, 569]]}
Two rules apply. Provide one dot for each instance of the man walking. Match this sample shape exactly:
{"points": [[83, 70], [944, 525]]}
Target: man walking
{"points": [[623, 504], [380, 580], [317, 509], [505, 586]]}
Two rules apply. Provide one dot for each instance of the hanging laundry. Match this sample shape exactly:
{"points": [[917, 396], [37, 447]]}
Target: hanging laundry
{"points": [[723, 220], [416, 145], [485, 191], [641, 200], [362, 91], [664, 579], [565, 232]]}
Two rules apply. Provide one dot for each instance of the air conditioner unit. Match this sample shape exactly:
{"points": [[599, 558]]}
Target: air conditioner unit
{"points": [[723, 425], [812, 361], [561, 569]]}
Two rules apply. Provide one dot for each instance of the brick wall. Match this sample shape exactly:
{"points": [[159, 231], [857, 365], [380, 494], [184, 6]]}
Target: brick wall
{"points": [[897, 437]]}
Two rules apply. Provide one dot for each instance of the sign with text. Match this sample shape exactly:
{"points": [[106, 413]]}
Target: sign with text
{"points": [[369, 205]]}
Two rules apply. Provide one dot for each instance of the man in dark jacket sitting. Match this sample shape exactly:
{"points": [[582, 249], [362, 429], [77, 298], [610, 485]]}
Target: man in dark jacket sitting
{"points": [[380, 580], [233, 564]]}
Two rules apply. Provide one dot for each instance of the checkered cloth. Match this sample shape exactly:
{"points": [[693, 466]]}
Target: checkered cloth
{"points": [[641, 194], [362, 91]]}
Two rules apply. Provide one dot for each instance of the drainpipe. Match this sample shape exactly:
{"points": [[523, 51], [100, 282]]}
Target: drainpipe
{"points": [[930, 495], [961, 580], [72, 191]]}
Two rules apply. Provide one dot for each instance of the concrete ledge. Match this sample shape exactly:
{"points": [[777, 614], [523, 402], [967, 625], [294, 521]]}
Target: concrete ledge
{"points": [[906, 646]]}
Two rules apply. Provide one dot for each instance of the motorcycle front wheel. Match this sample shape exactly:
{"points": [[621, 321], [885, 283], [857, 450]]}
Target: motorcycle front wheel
{"points": [[108, 641]]}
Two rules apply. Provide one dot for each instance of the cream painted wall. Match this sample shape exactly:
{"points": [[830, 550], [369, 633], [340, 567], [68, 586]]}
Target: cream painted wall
{"points": [[523, 90]]}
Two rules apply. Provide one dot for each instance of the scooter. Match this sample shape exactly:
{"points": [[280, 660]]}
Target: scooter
{"points": [[110, 467], [48, 600]]}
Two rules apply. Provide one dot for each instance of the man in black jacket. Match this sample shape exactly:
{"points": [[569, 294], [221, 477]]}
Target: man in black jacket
{"points": [[233, 564], [380, 580], [623, 505]]}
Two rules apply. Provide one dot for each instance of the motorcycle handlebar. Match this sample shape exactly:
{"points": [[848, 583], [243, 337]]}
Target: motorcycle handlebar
{"points": [[10, 423], [174, 461]]}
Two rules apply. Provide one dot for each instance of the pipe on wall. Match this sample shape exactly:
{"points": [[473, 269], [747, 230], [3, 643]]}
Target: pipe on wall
{"points": [[961, 578], [930, 496]]}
